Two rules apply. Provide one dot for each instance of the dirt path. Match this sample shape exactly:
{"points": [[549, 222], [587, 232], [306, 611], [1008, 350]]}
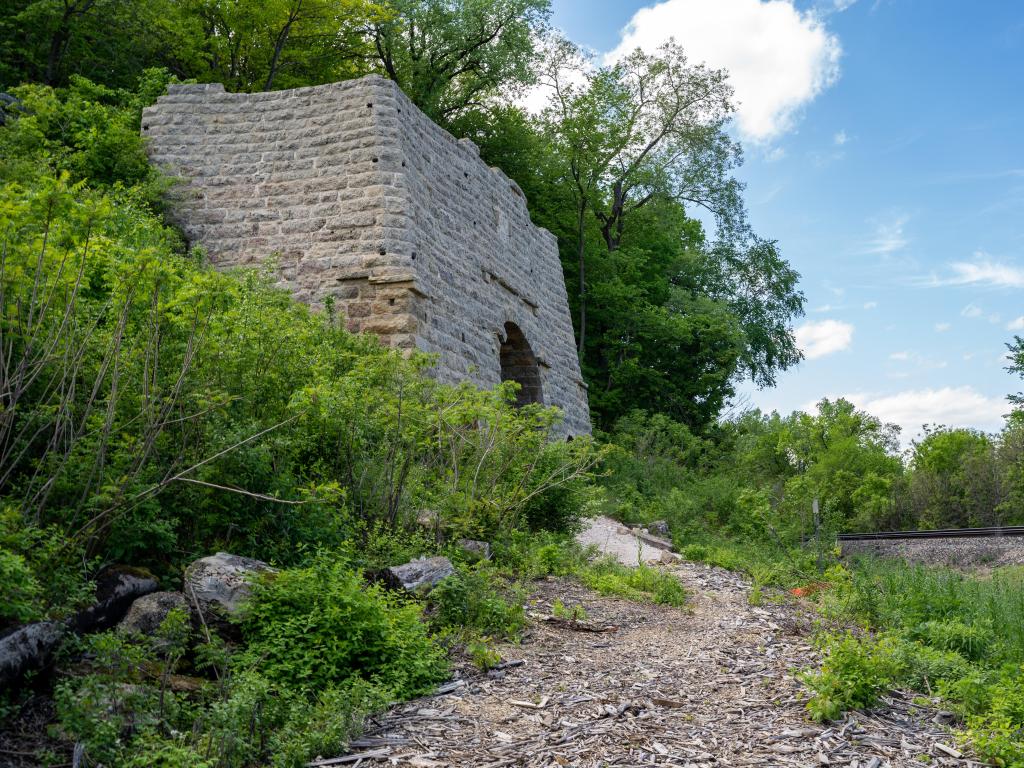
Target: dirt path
{"points": [[711, 685]]}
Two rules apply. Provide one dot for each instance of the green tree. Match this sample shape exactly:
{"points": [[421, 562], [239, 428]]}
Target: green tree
{"points": [[252, 45], [955, 483], [453, 56], [1016, 355]]}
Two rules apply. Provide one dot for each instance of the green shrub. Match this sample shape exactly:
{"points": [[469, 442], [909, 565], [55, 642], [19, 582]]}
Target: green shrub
{"points": [[258, 722], [642, 583], [475, 598], [540, 554], [19, 591], [853, 675], [924, 668], [997, 734], [972, 641], [317, 627]]}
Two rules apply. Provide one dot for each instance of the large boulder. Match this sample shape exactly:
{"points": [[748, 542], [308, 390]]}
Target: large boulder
{"points": [[28, 647], [149, 611], [475, 550], [419, 576], [116, 589], [222, 581]]}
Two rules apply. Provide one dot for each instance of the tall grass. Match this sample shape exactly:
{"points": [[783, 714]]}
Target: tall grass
{"points": [[892, 595]]}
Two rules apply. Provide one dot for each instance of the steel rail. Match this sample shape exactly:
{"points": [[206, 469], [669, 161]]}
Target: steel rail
{"points": [[948, 533]]}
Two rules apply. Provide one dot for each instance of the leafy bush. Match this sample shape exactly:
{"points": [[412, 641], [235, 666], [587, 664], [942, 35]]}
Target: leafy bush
{"points": [[475, 598], [998, 732], [972, 641], [19, 590], [642, 583], [321, 626], [855, 672]]}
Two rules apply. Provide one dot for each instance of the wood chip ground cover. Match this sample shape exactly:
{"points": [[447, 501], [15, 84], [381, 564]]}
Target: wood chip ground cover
{"points": [[709, 685]]}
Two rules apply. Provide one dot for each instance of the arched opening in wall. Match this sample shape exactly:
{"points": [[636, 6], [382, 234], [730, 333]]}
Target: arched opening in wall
{"points": [[519, 364]]}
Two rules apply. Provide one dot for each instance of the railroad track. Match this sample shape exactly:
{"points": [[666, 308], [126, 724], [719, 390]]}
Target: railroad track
{"points": [[948, 533]]}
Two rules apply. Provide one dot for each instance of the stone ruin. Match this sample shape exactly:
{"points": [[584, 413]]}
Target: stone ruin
{"points": [[363, 201]]}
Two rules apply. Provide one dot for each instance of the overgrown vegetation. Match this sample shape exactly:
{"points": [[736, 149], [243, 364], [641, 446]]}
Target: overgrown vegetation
{"points": [[153, 410]]}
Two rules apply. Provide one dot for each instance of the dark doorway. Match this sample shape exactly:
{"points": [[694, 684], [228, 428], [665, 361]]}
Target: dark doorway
{"points": [[519, 364]]}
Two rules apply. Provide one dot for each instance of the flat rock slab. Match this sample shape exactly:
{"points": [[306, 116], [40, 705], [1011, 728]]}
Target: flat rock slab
{"points": [[611, 538], [419, 576]]}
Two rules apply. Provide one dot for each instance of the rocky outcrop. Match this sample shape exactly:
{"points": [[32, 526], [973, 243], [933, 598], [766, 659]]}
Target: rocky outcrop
{"points": [[149, 612], [475, 550], [222, 582], [419, 576]]}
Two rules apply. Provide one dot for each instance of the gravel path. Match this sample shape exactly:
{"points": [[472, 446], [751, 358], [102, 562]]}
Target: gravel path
{"points": [[637, 685]]}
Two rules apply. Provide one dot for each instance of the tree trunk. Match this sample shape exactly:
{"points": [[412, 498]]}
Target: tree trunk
{"points": [[279, 44], [612, 225]]}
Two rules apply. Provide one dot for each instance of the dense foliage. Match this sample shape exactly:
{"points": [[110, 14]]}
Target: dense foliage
{"points": [[153, 410]]}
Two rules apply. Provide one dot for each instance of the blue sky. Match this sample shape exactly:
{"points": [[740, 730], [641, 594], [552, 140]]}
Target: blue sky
{"points": [[884, 144]]}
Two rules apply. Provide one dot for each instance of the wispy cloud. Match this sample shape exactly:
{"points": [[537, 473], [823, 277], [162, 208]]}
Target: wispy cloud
{"points": [[972, 310], [818, 338], [942, 327], [888, 236], [899, 356], [840, 138], [1016, 325], [870, 304], [982, 271]]}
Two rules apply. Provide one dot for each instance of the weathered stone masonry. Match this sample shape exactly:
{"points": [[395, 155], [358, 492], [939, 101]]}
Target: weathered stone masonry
{"points": [[362, 199]]}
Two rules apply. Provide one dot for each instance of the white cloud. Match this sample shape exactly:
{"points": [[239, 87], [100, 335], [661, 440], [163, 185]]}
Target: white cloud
{"points": [[899, 356], [842, 5], [972, 310], [1016, 325], [840, 138], [942, 327], [870, 304], [889, 236], [951, 406], [818, 338], [775, 155], [983, 270], [779, 58]]}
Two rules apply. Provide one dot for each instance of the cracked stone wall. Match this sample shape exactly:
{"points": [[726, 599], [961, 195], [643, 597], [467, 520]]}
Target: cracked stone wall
{"points": [[359, 197]]}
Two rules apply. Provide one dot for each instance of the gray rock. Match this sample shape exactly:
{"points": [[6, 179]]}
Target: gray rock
{"points": [[475, 550], [419, 576], [116, 589], [148, 612], [658, 528], [28, 647], [222, 581]]}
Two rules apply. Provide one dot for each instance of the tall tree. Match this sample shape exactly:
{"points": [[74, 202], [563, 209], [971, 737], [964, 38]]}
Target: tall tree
{"points": [[253, 45], [452, 56], [648, 127], [1016, 357]]}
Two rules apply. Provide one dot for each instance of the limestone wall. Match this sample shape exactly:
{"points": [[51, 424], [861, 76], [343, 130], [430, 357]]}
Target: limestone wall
{"points": [[356, 195]]}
